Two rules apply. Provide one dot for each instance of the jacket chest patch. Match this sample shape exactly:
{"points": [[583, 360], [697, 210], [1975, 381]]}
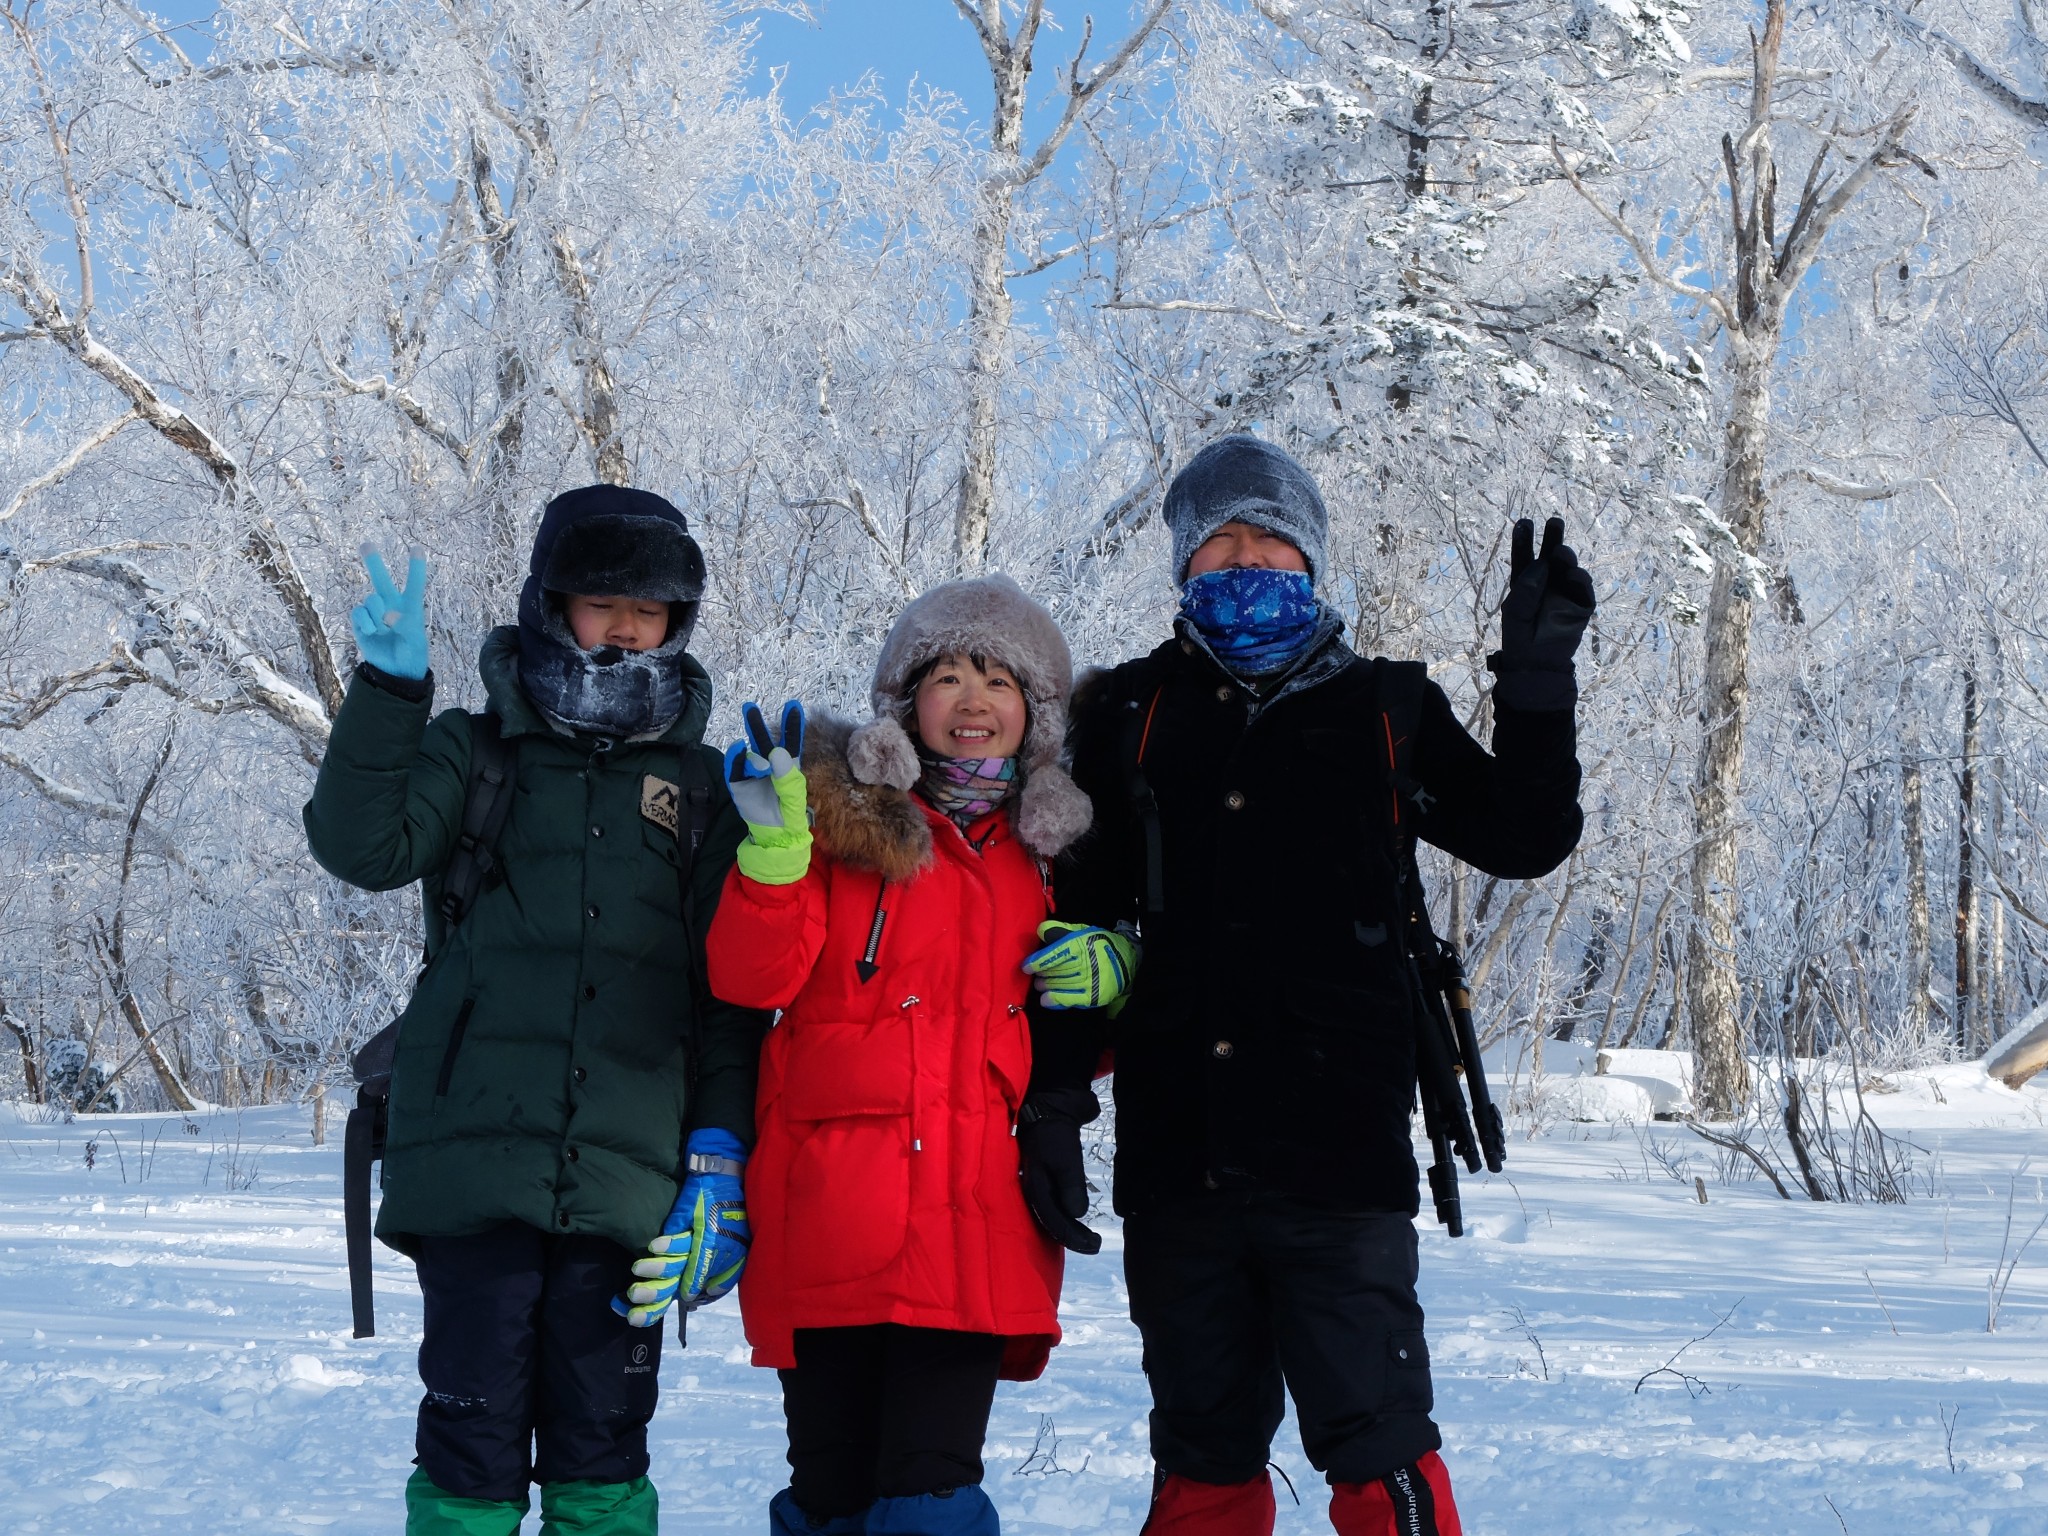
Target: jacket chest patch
{"points": [[661, 803]]}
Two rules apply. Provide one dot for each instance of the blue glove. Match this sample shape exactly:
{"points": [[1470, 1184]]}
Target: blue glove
{"points": [[765, 776], [751, 766], [703, 1244], [390, 624]]}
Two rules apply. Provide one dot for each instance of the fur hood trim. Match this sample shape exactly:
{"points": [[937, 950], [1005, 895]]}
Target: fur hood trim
{"points": [[867, 823], [864, 815]]}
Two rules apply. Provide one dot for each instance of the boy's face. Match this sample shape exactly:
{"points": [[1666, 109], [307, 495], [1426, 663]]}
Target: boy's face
{"points": [[630, 623], [1238, 546]]}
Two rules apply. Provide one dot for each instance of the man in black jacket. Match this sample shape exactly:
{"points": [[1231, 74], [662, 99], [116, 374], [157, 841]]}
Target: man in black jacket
{"points": [[1253, 815]]}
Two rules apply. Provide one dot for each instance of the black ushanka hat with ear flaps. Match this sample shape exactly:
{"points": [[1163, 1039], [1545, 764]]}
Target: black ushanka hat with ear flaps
{"points": [[608, 541]]}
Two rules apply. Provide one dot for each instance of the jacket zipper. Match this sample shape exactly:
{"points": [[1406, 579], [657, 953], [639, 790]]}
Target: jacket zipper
{"points": [[454, 1045], [909, 1007], [866, 966], [1015, 1009]]}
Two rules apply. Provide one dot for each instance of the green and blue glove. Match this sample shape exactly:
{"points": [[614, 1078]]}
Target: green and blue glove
{"points": [[765, 776], [1083, 967], [703, 1244], [391, 623]]}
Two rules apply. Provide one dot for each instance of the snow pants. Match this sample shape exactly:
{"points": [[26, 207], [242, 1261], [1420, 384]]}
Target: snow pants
{"points": [[886, 1412], [1239, 1294], [530, 1375]]}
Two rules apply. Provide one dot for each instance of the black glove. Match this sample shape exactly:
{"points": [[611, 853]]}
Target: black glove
{"points": [[1549, 604], [1055, 1180]]}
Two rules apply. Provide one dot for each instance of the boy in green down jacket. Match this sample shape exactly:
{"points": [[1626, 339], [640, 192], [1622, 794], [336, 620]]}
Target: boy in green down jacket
{"points": [[560, 1062]]}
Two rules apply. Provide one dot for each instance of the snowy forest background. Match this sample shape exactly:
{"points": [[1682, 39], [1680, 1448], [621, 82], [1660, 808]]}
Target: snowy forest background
{"points": [[293, 277]]}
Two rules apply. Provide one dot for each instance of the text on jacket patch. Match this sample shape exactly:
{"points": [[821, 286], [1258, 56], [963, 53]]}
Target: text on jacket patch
{"points": [[659, 801]]}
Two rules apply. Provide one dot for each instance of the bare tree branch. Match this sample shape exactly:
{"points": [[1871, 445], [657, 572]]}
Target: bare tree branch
{"points": [[1985, 79], [408, 405], [68, 463], [856, 498], [598, 419], [1204, 307], [1080, 93], [1834, 485], [258, 681], [73, 799], [60, 149], [265, 547], [1652, 268]]}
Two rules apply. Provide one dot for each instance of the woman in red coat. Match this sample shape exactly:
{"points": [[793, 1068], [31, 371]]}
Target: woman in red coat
{"points": [[895, 1272]]}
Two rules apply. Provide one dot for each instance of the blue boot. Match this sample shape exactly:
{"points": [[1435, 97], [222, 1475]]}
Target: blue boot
{"points": [[956, 1512], [786, 1518]]}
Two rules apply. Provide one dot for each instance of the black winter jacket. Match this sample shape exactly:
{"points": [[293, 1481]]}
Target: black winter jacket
{"points": [[1270, 1035]]}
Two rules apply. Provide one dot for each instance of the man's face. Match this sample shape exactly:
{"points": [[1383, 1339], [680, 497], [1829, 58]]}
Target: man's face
{"points": [[1242, 546], [630, 623]]}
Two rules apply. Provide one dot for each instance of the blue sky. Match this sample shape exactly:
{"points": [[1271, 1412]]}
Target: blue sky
{"points": [[927, 42], [902, 40]]}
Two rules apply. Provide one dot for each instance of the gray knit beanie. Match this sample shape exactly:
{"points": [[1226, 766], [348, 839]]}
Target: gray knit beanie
{"points": [[1245, 479]]}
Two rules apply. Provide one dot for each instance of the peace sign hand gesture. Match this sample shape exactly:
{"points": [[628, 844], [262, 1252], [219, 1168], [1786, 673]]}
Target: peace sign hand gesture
{"points": [[1549, 604], [391, 623]]}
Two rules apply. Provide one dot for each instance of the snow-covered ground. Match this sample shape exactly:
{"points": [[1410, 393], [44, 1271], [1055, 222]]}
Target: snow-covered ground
{"points": [[175, 1352]]}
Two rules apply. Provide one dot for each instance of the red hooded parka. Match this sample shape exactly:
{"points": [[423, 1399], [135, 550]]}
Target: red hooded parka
{"points": [[884, 1184]]}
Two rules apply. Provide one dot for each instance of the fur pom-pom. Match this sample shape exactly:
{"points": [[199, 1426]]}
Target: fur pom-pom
{"points": [[880, 753], [1052, 811]]}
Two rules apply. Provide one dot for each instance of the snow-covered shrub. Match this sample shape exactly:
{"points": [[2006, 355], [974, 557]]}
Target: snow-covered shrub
{"points": [[79, 1083]]}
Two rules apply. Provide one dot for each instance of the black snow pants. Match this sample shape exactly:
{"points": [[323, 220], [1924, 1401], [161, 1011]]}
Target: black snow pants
{"points": [[1236, 1292], [530, 1375], [886, 1411]]}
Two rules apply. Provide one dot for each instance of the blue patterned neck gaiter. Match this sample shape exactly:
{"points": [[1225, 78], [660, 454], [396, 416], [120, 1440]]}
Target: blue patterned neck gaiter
{"points": [[1256, 621], [966, 788]]}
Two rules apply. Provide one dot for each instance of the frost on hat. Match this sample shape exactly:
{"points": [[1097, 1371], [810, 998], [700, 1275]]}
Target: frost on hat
{"points": [[1245, 479]]}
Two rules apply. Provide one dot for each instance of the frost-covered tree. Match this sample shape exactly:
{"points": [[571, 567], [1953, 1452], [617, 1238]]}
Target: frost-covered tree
{"points": [[282, 281], [1769, 252]]}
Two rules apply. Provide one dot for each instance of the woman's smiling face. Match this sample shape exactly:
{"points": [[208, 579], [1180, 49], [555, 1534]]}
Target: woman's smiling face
{"points": [[970, 708]]}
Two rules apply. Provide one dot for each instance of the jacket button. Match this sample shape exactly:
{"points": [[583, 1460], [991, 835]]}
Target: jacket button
{"points": [[1222, 1050], [578, 1073], [1234, 800], [1188, 646], [589, 992], [591, 911], [562, 1219], [1209, 1181], [1223, 693], [573, 1155], [597, 831]]}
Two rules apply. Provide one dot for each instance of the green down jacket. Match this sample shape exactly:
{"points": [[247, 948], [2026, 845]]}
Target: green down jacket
{"points": [[559, 1042]]}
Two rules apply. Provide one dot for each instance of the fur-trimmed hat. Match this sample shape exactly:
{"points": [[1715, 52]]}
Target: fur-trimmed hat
{"points": [[608, 541], [1245, 479], [614, 541], [989, 617]]}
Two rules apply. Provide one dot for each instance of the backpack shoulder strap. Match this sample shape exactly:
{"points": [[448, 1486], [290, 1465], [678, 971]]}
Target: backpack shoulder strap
{"points": [[1137, 711], [1401, 687], [487, 802], [695, 818]]}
